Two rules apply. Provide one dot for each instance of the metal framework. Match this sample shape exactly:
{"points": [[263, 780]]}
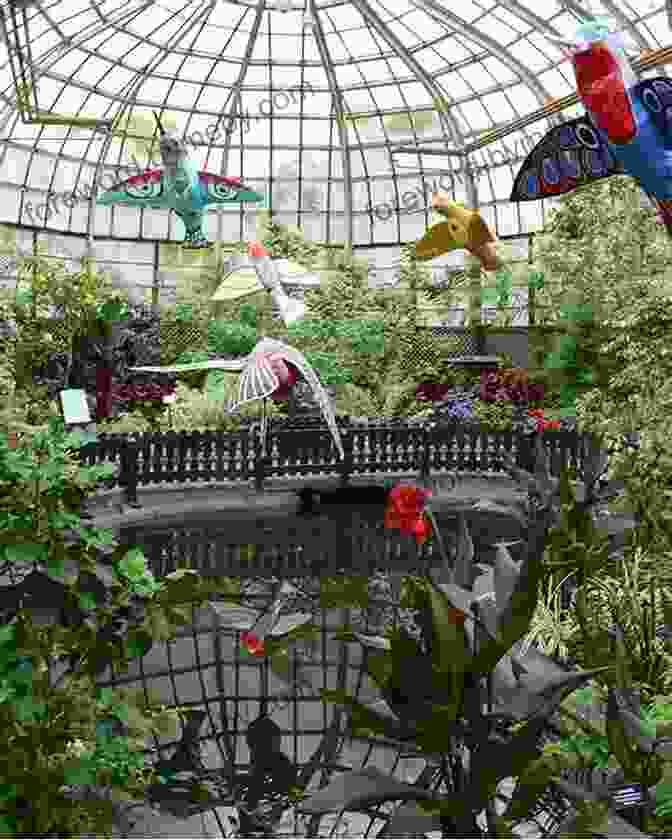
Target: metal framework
{"points": [[209, 63]]}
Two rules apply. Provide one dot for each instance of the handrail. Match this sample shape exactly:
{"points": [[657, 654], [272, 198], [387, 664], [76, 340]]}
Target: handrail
{"points": [[424, 443]]}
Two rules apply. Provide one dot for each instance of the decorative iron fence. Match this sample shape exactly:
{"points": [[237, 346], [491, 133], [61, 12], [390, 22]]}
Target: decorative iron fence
{"points": [[390, 446]]}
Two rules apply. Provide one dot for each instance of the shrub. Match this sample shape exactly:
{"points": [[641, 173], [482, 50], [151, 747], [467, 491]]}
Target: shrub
{"points": [[196, 378], [495, 415], [354, 401], [231, 337]]}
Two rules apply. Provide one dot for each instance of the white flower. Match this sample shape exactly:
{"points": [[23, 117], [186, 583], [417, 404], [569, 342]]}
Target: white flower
{"points": [[77, 748]]}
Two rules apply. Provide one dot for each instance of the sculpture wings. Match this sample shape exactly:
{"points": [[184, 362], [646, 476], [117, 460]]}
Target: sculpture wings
{"points": [[258, 380]]}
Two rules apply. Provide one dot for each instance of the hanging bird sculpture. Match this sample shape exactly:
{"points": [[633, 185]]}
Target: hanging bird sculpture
{"points": [[270, 370], [179, 186], [291, 310], [463, 228], [626, 130]]}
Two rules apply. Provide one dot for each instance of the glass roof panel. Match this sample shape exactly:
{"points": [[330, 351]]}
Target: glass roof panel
{"points": [[323, 92]]}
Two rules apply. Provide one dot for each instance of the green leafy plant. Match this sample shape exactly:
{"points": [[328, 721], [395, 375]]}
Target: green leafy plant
{"points": [[73, 609], [86, 301], [617, 609], [433, 687], [496, 415], [249, 315]]}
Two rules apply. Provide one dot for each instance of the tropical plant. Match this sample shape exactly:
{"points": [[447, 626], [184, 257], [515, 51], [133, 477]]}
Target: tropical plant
{"points": [[619, 600], [466, 633], [71, 616], [634, 401]]}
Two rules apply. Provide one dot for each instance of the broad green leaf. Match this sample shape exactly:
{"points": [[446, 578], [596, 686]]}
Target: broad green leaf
{"points": [[376, 717], [623, 675], [637, 730], [362, 789], [484, 592], [663, 729], [8, 635], [374, 642], [138, 644], [105, 695], [291, 673], [514, 622], [157, 623], [464, 553], [26, 553], [452, 655], [7, 792], [505, 576], [494, 761], [619, 742], [8, 826], [82, 774], [87, 601], [234, 616], [178, 615], [379, 666], [55, 566], [133, 564]]}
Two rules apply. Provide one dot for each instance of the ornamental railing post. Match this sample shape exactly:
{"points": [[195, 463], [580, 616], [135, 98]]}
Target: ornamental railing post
{"points": [[128, 474], [425, 466]]}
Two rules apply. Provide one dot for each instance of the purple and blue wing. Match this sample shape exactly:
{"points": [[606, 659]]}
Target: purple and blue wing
{"points": [[568, 156], [655, 96], [145, 190]]}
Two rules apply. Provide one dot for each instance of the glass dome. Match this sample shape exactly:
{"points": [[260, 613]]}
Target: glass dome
{"points": [[308, 101]]}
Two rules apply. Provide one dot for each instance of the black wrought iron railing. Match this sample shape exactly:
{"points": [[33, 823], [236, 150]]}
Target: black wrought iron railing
{"points": [[383, 447]]}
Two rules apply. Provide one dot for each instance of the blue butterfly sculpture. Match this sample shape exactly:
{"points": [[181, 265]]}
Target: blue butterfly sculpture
{"points": [[626, 130], [179, 186]]}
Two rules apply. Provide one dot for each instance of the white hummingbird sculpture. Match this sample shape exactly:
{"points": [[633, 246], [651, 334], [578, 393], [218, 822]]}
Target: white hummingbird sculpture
{"points": [[291, 310], [270, 370]]}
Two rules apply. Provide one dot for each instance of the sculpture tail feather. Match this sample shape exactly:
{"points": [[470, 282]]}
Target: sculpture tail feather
{"points": [[664, 207]]}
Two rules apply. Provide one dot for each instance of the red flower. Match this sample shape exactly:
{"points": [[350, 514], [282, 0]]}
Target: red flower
{"points": [[405, 510], [422, 528], [252, 643]]}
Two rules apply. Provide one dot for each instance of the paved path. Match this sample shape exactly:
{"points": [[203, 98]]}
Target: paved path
{"points": [[168, 500]]}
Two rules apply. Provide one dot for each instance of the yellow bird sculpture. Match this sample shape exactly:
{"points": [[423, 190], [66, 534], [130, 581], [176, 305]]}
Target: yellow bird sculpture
{"points": [[463, 228]]}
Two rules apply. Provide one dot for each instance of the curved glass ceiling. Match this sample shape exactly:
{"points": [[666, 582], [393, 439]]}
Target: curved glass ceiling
{"points": [[305, 100]]}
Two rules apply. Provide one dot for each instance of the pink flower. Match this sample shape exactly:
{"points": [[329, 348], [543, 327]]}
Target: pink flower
{"points": [[256, 249], [252, 643]]}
